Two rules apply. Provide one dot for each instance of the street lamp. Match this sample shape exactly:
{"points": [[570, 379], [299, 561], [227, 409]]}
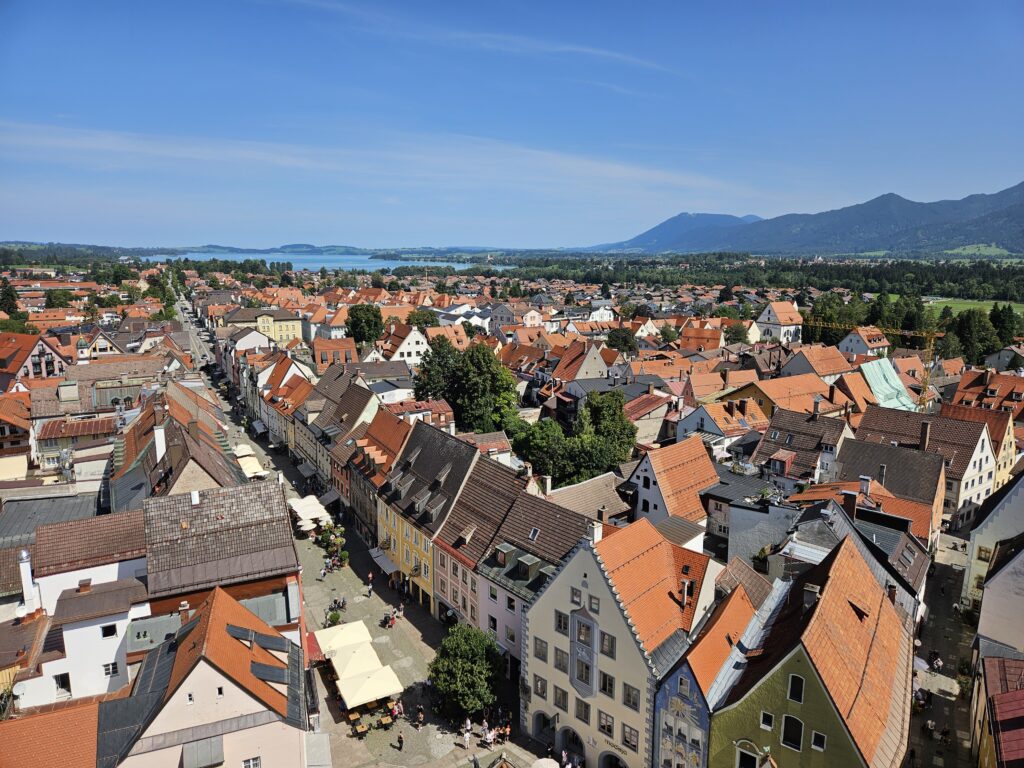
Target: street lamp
{"points": [[764, 757]]}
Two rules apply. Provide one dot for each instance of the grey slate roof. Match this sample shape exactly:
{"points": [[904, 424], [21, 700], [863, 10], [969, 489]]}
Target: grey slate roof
{"points": [[590, 496], [802, 433], [232, 535], [106, 599], [19, 518], [909, 473], [427, 476]]}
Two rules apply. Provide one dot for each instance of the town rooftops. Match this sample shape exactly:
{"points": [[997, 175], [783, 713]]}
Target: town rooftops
{"points": [[220, 536], [723, 630], [738, 573]]}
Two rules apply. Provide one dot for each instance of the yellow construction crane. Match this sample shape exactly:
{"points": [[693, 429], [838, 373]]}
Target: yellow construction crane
{"points": [[929, 349]]}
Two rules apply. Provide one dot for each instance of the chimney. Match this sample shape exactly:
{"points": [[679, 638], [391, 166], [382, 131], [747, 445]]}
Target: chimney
{"points": [[159, 441], [850, 504], [84, 586], [29, 589], [183, 611], [684, 591], [832, 393], [602, 512], [650, 389], [817, 406], [890, 590], [881, 474], [926, 431], [741, 406], [811, 594], [987, 377], [545, 484], [596, 532], [865, 485]]}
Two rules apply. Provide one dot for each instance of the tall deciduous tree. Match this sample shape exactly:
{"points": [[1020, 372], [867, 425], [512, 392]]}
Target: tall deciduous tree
{"points": [[8, 297], [977, 336], [423, 318], [466, 671], [365, 323], [437, 372], [623, 340]]}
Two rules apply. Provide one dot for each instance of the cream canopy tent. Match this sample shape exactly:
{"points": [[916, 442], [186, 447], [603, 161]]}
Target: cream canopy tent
{"points": [[369, 686], [308, 508], [332, 638], [355, 660], [251, 467]]}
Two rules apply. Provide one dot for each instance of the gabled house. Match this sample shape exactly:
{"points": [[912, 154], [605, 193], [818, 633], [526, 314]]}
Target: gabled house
{"points": [[599, 638], [668, 481], [865, 340], [799, 448], [223, 666], [421, 489], [683, 717], [805, 393], [1000, 430], [368, 468], [780, 321], [399, 342], [825, 362], [824, 667], [965, 446], [722, 424], [991, 390]]}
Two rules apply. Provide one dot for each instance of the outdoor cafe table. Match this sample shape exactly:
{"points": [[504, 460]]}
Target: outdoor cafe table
{"points": [[354, 717]]}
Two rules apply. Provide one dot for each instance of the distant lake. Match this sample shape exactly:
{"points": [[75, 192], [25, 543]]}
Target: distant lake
{"points": [[313, 263]]}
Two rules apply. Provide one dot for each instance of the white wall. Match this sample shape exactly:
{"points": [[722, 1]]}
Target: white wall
{"points": [[51, 586], [277, 744]]}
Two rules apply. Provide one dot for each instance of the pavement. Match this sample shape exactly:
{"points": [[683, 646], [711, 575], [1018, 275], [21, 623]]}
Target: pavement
{"points": [[947, 633], [408, 648]]}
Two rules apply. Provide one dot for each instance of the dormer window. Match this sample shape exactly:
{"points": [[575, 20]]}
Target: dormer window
{"points": [[991, 392]]}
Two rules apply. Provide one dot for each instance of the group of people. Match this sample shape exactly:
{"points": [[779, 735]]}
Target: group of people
{"points": [[490, 735], [391, 615], [935, 661], [929, 728]]}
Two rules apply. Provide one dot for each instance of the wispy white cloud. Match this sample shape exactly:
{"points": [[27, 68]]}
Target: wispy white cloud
{"points": [[408, 29], [390, 189]]}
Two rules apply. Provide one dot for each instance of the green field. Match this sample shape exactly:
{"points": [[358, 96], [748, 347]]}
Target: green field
{"points": [[959, 305], [980, 249]]}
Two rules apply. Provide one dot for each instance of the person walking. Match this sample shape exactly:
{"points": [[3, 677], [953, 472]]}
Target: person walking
{"points": [[467, 735], [401, 742]]}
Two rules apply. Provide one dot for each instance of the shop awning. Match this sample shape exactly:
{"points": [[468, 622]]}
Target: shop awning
{"points": [[251, 467], [258, 427], [355, 660], [330, 497], [243, 449], [307, 470], [382, 560], [331, 639], [378, 685]]}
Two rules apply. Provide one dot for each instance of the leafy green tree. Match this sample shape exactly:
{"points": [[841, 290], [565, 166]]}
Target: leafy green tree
{"points": [[543, 444], [949, 346], [59, 298], [726, 294], [377, 280], [736, 333], [669, 334], [623, 340], [470, 329], [423, 318], [481, 388], [1005, 321], [323, 274], [976, 334], [606, 290], [610, 425], [365, 323], [466, 671], [730, 312], [437, 371], [8, 297]]}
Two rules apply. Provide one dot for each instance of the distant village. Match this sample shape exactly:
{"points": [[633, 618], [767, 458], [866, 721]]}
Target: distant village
{"points": [[236, 521]]}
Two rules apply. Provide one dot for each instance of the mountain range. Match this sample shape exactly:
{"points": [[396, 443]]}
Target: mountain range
{"points": [[887, 223]]}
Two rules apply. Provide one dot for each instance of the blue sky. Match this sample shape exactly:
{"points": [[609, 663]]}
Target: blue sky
{"points": [[261, 122]]}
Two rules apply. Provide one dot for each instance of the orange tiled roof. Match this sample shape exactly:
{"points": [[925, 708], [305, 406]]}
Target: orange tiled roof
{"points": [[15, 410], [787, 313], [725, 627], [647, 570], [683, 470], [825, 361], [64, 736], [233, 658]]}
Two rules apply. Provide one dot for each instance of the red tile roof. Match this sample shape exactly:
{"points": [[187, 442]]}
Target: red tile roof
{"points": [[647, 571], [725, 627], [63, 737], [683, 470]]}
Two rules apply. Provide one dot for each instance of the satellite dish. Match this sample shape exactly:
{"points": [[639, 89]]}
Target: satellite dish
{"points": [[19, 689], [21, 611]]}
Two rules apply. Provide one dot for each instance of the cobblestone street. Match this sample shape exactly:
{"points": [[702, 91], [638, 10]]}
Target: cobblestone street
{"points": [[945, 632]]}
